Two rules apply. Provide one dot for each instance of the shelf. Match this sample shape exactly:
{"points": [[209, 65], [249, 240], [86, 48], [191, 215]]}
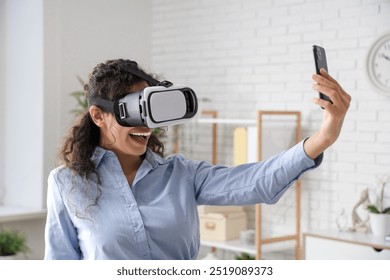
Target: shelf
{"points": [[264, 119], [245, 122], [231, 245], [359, 238], [227, 121], [285, 251], [16, 213]]}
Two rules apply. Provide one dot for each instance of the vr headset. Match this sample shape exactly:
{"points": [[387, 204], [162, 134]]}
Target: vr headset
{"points": [[160, 104]]}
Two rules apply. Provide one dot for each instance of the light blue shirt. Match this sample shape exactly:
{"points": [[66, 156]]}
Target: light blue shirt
{"points": [[155, 218]]}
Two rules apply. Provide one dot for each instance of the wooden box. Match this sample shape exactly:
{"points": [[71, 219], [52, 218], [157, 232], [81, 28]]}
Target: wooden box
{"points": [[205, 209], [222, 226]]}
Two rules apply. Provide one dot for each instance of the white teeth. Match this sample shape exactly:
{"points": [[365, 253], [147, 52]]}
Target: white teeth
{"points": [[144, 134]]}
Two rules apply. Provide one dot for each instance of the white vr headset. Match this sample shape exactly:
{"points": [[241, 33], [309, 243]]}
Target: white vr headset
{"points": [[161, 104]]}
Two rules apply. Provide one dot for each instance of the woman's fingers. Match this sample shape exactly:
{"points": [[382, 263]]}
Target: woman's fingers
{"points": [[345, 96], [325, 80], [332, 93], [323, 103], [330, 87]]}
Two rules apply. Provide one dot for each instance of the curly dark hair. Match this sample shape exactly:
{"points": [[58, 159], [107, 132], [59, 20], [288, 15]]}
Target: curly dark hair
{"points": [[108, 81]]}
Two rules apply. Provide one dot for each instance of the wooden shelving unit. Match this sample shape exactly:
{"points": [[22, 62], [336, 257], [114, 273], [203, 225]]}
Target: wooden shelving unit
{"points": [[297, 235], [234, 245]]}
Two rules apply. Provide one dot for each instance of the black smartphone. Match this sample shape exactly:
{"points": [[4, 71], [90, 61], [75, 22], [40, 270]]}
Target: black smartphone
{"points": [[320, 62]]}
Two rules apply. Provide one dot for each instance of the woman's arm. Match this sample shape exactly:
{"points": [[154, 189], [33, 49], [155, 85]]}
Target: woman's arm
{"points": [[333, 115], [61, 242]]}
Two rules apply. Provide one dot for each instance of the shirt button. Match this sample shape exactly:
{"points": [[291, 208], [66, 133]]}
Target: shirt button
{"points": [[144, 253]]}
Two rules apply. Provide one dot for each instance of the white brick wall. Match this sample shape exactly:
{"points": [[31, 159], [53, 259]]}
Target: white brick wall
{"points": [[256, 55]]}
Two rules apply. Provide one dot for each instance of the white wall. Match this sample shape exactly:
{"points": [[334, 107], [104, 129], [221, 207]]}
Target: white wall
{"points": [[24, 103], [91, 32], [2, 97], [256, 55]]}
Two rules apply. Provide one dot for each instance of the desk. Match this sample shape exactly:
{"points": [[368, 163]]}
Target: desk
{"points": [[332, 244]]}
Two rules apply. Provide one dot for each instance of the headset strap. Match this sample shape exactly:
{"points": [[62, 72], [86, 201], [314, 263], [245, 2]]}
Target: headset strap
{"points": [[105, 104], [108, 105], [152, 81]]}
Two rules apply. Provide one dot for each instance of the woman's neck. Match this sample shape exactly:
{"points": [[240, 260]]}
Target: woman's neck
{"points": [[130, 166]]}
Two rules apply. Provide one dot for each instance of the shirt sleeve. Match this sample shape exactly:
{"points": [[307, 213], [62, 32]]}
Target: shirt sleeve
{"points": [[252, 183], [61, 240]]}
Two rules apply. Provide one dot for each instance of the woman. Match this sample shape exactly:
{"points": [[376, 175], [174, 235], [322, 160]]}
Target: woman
{"points": [[116, 197]]}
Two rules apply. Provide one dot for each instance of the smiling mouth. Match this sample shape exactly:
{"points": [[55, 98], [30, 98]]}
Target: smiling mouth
{"points": [[140, 135]]}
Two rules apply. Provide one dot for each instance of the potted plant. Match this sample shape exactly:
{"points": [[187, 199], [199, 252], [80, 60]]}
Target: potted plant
{"points": [[244, 256], [81, 99], [378, 213], [11, 243]]}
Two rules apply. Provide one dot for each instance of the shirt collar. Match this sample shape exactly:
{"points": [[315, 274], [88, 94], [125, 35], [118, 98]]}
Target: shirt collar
{"points": [[153, 158]]}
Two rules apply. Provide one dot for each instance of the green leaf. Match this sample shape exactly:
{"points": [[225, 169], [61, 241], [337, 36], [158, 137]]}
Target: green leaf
{"points": [[11, 242], [244, 256], [373, 209], [82, 102], [386, 211]]}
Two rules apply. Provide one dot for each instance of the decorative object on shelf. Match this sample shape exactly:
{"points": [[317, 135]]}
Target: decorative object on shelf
{"points": [[244, 256], [378, 207], [378, 65], [342, 221], [11, 243], [378, 213], [211, 255], [206, 209], [222, 226], [247, 237], [380, 223], [358, 223]]}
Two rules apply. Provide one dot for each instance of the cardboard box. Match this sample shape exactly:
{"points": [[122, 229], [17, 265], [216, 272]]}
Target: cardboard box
{"points": [[205, 209], [222, 226]]}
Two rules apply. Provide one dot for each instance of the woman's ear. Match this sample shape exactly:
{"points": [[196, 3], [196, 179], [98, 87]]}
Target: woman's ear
{"points": [[97, 115]]}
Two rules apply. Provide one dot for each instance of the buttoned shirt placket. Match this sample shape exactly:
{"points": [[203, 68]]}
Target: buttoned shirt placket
{"points": [[138, 228]]}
